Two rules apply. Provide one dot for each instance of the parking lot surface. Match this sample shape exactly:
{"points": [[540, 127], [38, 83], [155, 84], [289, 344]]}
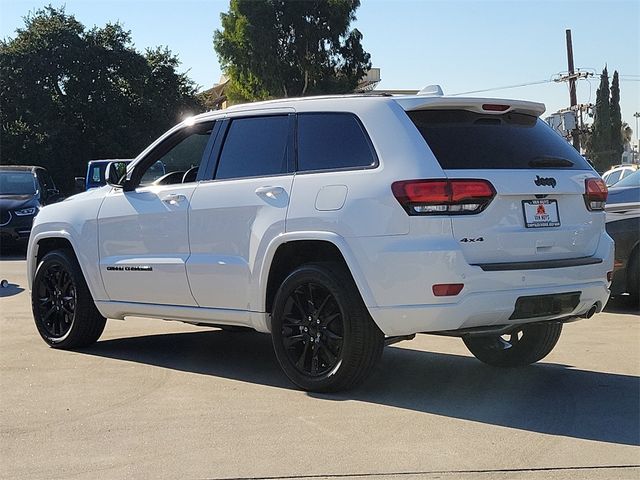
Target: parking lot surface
{"points": [[156, 399]]}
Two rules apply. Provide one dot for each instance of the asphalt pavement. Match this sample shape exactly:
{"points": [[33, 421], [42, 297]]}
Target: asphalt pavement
{"points": [[157, 399]]}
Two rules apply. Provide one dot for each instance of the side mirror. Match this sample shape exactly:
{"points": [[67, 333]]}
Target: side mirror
{"points": [[115, 174]]}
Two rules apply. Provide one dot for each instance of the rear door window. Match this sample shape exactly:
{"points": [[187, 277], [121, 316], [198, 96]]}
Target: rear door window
{"points": [[255, 146], [461, 139], [329, 141]]}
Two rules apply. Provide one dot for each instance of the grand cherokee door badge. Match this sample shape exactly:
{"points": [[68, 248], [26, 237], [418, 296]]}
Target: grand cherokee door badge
{"points": [[130, 268]]}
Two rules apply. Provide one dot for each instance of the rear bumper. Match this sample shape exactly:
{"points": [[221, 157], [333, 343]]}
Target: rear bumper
{"points": [[481, 309], [401, 275]]}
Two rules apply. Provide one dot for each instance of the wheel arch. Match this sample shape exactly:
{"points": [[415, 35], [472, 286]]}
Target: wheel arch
{"points": [[290, 251], [45, 242]]}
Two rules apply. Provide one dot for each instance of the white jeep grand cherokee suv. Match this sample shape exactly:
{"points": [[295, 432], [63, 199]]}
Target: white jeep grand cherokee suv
{"points": [[339, 225]]}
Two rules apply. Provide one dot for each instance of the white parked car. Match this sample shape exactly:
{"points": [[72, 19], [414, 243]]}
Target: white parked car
{"points": [[338, 225], [617, 173]]}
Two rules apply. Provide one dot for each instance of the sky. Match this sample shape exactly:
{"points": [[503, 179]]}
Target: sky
{"points": [[462, 45]]}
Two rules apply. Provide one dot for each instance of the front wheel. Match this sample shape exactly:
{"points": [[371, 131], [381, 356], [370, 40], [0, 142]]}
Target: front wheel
{"points": [[523, 346], [323, 336], [63, 309]]}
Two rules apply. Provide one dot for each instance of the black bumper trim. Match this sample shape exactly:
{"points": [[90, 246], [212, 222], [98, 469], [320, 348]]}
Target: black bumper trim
{"points": [[539, 265], [545, 305]]}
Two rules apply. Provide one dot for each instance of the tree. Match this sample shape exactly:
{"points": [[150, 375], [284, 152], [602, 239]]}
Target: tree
{"points": [[69, 95], [600, 142], [617, 142], [281, 48], [606, 142]]}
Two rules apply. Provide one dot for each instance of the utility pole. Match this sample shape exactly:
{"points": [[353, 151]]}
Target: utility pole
{"points": [[572, 90], [637, 115], [571, 77]]}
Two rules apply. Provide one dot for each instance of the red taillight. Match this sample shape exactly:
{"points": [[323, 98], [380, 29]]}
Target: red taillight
{"points": [[447, 289], [493, 107], [595, 193], [444, 197]]}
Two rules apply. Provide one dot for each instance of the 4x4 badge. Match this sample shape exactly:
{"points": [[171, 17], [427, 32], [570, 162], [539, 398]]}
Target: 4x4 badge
{"points": [[549, 182]]}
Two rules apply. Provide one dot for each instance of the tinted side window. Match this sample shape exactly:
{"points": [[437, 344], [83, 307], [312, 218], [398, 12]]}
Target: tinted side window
{"points": [[177, 155], [331, 141], [255, 147], [41, 183]]}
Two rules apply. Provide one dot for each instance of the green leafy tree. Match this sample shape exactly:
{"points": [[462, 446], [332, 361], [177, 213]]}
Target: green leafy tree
{"points": [[617, 141], [282, 48], [70, 94]]}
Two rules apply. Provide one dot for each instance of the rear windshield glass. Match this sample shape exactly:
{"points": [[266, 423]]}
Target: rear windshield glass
{"points": [[466, 140]]}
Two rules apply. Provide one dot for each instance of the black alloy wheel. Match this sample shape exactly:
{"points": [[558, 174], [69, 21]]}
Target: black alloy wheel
{"points": [[56, 297], [63, 308], [323, 336], [312, 329]]}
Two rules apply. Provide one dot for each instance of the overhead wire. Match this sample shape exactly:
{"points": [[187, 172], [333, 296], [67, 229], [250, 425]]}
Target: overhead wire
{"points": [[503, 88]]}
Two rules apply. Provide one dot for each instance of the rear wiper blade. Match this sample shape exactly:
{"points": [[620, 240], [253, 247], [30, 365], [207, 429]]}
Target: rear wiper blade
{"points": [[548, 161]]}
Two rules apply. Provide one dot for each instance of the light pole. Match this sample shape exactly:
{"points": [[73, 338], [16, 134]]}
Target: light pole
{"points": [[637, 115]]}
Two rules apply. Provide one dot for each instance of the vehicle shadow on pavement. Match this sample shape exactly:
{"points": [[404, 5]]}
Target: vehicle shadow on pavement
{"points": [[546, 398], [10, 290], [622, 304], [12, 253]]}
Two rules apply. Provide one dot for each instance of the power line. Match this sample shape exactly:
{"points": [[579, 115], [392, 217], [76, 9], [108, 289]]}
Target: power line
{"points": [[558, 78], [503, 88]]}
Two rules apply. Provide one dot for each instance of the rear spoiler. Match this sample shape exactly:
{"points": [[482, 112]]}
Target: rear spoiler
{"points": [[491, 106]]}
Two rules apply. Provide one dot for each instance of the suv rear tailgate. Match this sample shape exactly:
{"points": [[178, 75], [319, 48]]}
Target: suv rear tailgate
{"points": [[528, 222], [539, 211]]}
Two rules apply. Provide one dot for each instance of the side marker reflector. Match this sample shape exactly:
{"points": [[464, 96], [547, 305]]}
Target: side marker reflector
{"points": [[447, 289]]}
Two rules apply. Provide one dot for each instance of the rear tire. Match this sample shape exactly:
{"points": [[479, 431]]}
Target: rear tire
{"points": [[524, 346], [64, 312], [323, 335]]}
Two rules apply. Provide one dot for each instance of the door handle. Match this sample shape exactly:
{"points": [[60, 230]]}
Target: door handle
{"points": [[174, 198], [270, 192]]}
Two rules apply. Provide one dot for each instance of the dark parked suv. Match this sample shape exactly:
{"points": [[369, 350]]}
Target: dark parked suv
{"points": [[23, 191]]}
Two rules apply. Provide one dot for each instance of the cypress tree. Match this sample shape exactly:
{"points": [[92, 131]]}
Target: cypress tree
{"points": [[600, 145], [617, 142]]}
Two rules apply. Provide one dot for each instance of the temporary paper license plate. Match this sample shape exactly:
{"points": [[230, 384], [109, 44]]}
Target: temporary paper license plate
{"points": [[540, 213]]}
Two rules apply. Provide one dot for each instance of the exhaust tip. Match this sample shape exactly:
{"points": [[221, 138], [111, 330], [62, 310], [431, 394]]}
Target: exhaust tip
{"points": [[591, 312]]}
